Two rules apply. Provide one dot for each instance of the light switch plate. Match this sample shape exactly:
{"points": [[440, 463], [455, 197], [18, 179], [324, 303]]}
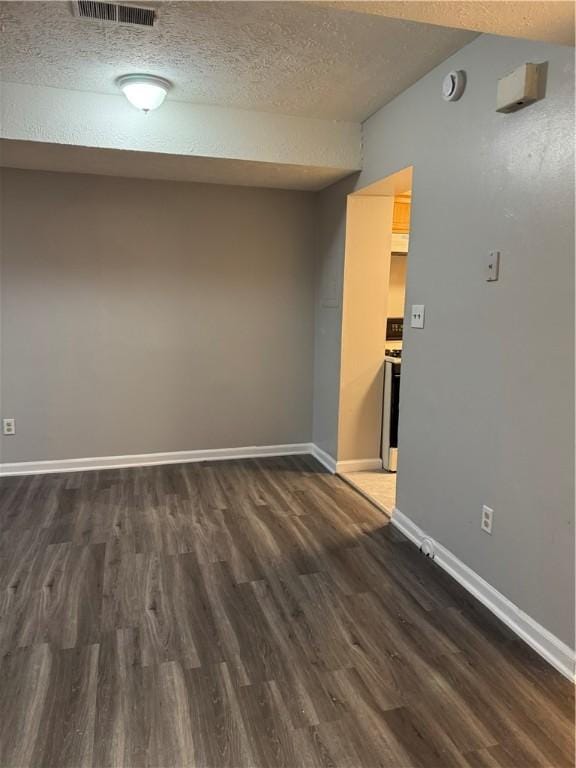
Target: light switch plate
{"points": [[417, 316], [492, 266]]}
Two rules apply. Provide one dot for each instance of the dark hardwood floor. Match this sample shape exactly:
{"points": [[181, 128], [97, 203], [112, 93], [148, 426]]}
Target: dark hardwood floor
{"points": [[249, 613]]}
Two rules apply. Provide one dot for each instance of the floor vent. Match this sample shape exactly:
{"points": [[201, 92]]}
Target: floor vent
{"points": [[115, 13]]}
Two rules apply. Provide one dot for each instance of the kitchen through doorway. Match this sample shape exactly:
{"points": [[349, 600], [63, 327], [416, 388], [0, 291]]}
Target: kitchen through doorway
{"points": [[376, 477]]}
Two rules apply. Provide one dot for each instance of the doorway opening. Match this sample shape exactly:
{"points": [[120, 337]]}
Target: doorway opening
{"points": [[375, 271]]}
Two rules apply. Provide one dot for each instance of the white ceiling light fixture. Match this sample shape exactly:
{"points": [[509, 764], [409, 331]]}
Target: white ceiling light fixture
{"points": [[145, 92]]}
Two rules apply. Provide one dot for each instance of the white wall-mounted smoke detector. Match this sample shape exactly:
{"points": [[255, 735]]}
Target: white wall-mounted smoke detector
{"points": [[522, 87], [453, 85], [145, 92]]}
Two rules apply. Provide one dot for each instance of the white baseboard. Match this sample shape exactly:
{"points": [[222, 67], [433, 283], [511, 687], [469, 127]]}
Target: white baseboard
{"points": [[358, 465], [151, 459], [556, 652], [324, 458], [183, 457]]}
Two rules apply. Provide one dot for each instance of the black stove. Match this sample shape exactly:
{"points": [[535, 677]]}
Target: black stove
{"points": [[393, 353]]}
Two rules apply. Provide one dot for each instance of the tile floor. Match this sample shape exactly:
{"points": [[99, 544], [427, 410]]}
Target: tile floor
{"points": [[378, 486]]}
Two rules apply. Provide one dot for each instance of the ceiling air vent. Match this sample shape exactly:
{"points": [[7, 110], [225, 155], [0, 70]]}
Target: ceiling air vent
{"points": [[116, 13]]}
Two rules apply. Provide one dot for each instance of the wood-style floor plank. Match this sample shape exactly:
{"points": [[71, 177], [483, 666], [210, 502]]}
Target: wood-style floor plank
{"points": [[250, 613]]}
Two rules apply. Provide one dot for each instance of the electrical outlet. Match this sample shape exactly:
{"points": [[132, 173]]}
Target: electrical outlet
{"points": [[486, 523], [9, 426]]}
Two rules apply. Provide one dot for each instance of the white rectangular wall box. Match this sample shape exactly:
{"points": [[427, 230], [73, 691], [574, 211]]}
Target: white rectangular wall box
{"points": [[519, 88]]}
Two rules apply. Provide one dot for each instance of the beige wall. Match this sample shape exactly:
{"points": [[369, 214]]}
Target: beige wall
{"points": [[366, 276], [143, 316], [397, 285], [487, 398]]}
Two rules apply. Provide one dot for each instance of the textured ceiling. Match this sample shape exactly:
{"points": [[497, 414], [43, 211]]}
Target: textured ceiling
{"points": [[551, 21], [285, 57]]}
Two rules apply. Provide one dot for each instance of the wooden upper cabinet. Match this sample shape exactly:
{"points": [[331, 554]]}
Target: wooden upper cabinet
{"points": [[401, 215]]}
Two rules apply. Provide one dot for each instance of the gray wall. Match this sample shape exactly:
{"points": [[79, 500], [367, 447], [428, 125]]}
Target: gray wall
{"points": [[487, 400], [142, 316], [329, 276]]}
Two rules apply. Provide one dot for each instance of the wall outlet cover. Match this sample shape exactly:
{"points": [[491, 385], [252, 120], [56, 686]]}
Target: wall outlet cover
{"points": [[487, 516], [9, 426]]}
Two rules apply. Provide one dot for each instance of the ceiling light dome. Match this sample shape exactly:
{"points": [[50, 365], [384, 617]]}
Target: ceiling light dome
{"points": [[144, 92]]}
